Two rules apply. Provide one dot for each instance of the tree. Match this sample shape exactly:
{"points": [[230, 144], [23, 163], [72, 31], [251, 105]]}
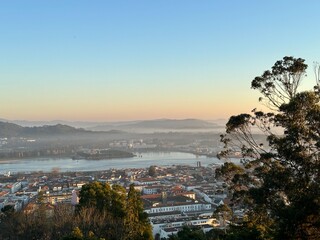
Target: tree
{"points": [[280, 184], [62, 221], [78, 235], [224, 213], [136, 221], [187, 233], [111, 213], [8, 210], [216, 234], [96, 195], [104, 212], [19, 225], [280, 84], [152, 171], [75, 235]]}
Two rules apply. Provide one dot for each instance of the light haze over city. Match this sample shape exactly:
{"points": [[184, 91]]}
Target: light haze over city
{"points": [[130, 60]]}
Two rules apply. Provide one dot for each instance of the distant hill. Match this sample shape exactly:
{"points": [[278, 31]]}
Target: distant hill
{"points": [[172, 124], [159, 124], [10, 129], [14, 130], [142, 126], [76, 124]]}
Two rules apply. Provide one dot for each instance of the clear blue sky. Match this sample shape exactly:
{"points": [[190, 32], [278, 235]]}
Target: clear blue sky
{"points": [[125, 60]]}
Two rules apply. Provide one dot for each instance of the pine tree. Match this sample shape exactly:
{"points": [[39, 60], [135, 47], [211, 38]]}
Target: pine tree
{"points": [[136, 221]]}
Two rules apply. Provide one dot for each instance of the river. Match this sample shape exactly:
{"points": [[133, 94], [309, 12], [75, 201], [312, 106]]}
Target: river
{"points": [[68, 165]]}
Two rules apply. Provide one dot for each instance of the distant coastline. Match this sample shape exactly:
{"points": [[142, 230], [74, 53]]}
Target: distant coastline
{"points": [[103, 154]]}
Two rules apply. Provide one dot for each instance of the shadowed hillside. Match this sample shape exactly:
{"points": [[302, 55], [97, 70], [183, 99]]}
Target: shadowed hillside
{"points": [[14, 130]]}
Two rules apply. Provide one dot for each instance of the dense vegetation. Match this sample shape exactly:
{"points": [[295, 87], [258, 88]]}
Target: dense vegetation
{"points": [[104, 212]]}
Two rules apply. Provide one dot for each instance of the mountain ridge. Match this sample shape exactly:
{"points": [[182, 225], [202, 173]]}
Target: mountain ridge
{"points": [[8, 129], [160, 124], [13, 128]]}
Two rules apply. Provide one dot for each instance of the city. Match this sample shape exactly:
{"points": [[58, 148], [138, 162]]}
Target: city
{"points": [[172, 196], [159, 120]]}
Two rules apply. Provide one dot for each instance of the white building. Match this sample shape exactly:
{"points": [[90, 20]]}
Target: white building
{"points": [[183, 207], [171, 226]]}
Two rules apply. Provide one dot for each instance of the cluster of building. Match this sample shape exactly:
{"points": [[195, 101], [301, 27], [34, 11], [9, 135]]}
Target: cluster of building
{"points": [[20, 192], [132, 144], [182, 195], [173, 196], [15, 194], [152, 144]]}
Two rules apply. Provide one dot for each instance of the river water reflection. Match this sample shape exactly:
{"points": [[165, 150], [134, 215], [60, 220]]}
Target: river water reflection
{"points": [[141, 161]]}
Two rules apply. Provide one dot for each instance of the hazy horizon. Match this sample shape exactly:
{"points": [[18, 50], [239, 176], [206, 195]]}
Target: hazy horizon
{"points": [[103, 121], [107, 61]]}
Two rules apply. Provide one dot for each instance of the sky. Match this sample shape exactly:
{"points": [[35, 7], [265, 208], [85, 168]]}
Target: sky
{"points": [[141, 59]]}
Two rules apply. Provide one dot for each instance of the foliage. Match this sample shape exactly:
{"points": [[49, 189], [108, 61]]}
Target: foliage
{"points": [[280, 184], [20, 225], [152, 171], [95, 195], [189, 233], [78, 235], [136, 220], [75, 235], [124, 214], [7, 210], [104, 212], [224, 213], [280, 84]]}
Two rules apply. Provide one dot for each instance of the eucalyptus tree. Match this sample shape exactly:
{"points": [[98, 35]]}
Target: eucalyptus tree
{"points": [[280, 184]]}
